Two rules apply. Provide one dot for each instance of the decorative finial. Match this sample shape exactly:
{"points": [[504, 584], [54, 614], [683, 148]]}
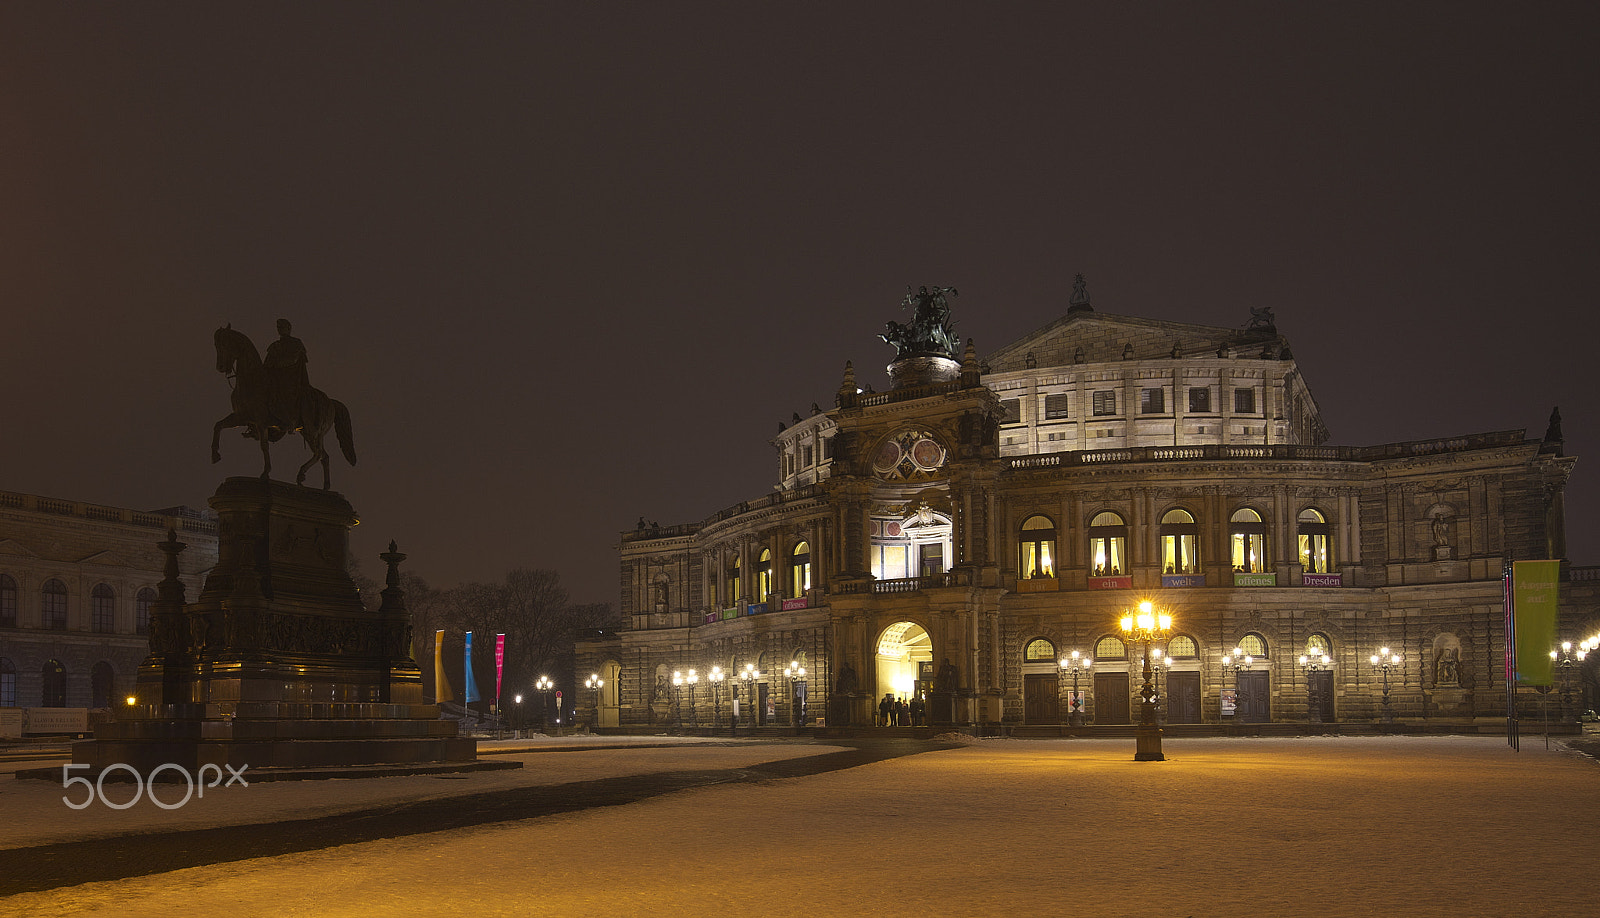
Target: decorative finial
{"points": [[1080, 296], [1127, 351]]}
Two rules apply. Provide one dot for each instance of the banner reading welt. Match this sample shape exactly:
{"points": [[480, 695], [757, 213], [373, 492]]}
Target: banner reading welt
{"points": [[1533, 603]]}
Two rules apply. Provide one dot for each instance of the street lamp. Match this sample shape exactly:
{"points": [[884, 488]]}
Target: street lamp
{"points": [[1237, 664], [594, 684], [1147, 626], [1076, 664], [544, 686], [796, 673], [715, 678], [694, 712], [1311, 666], [1385, 661], [748, 676], [516, 720], [1564, 659], [677, 696]]}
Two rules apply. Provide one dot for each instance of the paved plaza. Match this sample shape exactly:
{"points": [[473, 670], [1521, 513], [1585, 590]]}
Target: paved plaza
{"points": [[1329, 826]]}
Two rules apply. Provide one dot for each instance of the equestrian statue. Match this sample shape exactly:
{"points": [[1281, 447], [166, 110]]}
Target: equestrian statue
{"points": [[274, 397]]}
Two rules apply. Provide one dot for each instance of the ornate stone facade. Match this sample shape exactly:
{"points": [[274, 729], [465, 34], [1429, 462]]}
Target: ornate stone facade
{"points": [[985, 525]]}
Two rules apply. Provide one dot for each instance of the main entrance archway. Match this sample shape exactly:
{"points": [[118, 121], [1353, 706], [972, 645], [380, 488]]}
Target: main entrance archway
{"points": [[904, 662]]}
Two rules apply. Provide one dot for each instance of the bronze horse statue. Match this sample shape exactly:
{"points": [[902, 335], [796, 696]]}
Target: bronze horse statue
{"points": [[254, 402]]}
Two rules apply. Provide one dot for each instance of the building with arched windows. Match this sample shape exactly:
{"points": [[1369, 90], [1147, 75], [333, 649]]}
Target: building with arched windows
{"points": [[76, 584], [972, 536]]}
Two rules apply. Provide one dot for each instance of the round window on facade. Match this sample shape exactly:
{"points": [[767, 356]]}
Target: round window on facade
{"points": [[1110, 648]]}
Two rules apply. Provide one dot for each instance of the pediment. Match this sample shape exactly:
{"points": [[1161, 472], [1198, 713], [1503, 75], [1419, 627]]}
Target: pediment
{"points": [[13, 547], [1105, 338], [103, 556]]}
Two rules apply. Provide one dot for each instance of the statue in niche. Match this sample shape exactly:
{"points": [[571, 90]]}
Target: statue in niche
{"points": [[1447, 666]]}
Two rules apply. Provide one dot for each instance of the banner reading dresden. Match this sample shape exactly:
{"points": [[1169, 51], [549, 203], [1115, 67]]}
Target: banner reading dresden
{"points": [[1534, 597]]}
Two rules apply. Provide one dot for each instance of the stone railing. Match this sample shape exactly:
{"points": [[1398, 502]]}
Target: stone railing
{"points": [[1585, 573], [14, 501], [1214, 451]]}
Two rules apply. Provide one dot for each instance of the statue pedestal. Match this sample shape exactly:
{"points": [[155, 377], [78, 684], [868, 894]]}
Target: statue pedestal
{"points": [[1451, 701], [278, 664]]}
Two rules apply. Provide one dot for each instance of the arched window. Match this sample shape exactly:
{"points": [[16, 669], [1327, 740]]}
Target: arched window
{"points": [[764, 575], [141, 610], [800, 570], [1110, 648], [8, 601], [1039, 649], [1182, 647], [1180, 543], [1038, 548], [1318, 645], [53, 603], [54, 694], [1108, 538], [8, 684], [1249, 537], [734, 582], [1315, 558], [102, 684], [1254, 645], [103, 608]]}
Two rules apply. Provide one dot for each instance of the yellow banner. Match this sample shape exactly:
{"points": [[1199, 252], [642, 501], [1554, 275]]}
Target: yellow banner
{"points": [[441, 685], [1534, 596]]}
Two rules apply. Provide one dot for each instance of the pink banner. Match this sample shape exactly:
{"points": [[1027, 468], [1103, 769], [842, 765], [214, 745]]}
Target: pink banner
{"points": [[1124, 582], [499, 665]]}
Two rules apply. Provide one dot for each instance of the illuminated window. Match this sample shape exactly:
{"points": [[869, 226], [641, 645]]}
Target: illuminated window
{"points": [[1110, 648], [1039, 649], [1108, 536], [734, 581], [1180, 543], [764, 575], [53, 693], [1200, 400], [1182, 647], [103, 609], [1038, 548], [141, 610], [1314, 555], [800, 570], [1152, 401], [8, 601], [1248, 535], [1105, 402], [53, 603], [1254, 645]]}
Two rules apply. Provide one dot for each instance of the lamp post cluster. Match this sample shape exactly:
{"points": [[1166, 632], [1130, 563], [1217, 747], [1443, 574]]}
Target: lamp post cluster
{"points": [[1564, 658], [1076, 664], [594, 684], [1383, 661], [749, 676], [1237, 663], [1311, 665], [544, 687], [796, 673], [1147, 626]]}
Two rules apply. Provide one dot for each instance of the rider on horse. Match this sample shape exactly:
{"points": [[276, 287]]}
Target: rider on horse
{"points": [[288, 385]]}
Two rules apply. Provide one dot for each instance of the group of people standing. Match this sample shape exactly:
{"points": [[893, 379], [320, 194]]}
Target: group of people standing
{"points": [[897, 712]]}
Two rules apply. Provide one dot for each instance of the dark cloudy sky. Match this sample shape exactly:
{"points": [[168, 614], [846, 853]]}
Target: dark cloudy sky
{"points": [[570, 263]]}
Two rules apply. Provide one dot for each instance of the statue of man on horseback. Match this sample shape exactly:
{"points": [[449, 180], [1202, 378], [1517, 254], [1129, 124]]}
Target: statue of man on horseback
{"points": [[274, 397]]}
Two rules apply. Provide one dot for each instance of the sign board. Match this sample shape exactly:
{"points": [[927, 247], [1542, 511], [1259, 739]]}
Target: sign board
{"points": [[1322, 580], [1124, 582], [1230, 701], [1183, 580], [10, 723], [1254, 580], [55, 720]]}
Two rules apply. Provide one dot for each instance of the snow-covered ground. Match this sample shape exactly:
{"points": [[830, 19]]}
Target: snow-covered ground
{"points": [[1321, 826]]}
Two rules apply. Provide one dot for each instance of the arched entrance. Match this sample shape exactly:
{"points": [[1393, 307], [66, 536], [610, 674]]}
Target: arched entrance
{"points": [[610, 709], [904, 663]]}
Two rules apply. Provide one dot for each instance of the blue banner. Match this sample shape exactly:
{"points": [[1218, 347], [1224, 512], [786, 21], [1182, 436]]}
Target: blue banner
{"points": [[472, 684]]}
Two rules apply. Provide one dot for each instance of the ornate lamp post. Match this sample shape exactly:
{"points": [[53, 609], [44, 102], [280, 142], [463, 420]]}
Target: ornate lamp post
{"points": [[1564, 659], [677, 696], [715, 677], [796, 673], [749, 676], [516, 718], [1311, 665], [1075, 664], [544, 687], [1147, 626], [1239, 662], [594, 684], [1384, 661]]}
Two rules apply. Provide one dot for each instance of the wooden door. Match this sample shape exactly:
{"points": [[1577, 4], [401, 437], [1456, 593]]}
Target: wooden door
{"points": [[1041, 699], [1111, 701], [1322, 695], [1255, 702], [1183, 698]]}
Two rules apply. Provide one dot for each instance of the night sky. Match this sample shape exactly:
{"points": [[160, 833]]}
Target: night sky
{"points": [[569, 264]]}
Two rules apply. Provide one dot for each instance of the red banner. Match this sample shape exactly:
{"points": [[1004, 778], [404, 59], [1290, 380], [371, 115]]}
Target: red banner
{"points": [[499, 665]]}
